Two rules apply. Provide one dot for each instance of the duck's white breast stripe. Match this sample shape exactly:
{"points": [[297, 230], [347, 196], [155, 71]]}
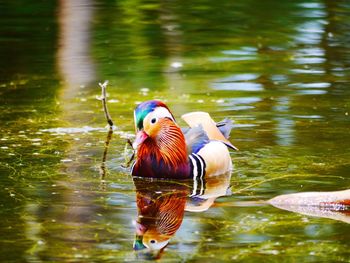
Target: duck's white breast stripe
{"points": [[201, 177], [198, 171]]}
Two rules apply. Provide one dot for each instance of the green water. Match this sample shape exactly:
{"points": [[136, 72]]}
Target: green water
{"points": [[279, 69]]}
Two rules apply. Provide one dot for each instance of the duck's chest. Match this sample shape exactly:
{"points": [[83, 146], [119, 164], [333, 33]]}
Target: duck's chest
{"points": [[151, 166]]}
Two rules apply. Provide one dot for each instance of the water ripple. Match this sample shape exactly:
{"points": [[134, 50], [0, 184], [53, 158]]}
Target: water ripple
{"points": [[315, 85], [238, 82], [238, 86]]}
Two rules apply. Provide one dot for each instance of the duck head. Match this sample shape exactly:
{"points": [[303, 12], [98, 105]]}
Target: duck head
{"points": [[160, 143], [147, 116]]}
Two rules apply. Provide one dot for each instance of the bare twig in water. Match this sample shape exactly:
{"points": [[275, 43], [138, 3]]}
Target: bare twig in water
{"points": [[103, 98], [103, 171], [104, 103]]}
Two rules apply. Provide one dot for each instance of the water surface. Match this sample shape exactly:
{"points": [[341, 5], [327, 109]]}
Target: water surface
{"points": [[279, 69]]}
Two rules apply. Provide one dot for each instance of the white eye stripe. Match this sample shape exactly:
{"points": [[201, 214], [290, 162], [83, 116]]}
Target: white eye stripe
{"points": [[161, 112], [158, 113]]}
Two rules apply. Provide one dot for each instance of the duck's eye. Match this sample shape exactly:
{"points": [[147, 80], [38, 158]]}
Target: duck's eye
{"points": [[153, 241], [154, 120]]}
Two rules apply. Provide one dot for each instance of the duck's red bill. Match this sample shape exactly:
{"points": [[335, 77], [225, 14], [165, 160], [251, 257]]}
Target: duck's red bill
{"points": [[141, 136]]}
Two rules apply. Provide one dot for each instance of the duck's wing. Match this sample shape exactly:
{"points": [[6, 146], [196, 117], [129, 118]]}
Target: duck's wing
{"points": [[225, 126], [203, 119], [195, 138]]}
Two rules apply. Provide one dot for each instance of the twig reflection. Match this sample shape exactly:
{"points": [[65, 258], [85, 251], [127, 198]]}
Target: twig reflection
{"points": [[103, 170]]}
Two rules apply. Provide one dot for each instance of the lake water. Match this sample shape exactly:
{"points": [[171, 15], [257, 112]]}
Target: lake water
{"points": [[279, 69]]}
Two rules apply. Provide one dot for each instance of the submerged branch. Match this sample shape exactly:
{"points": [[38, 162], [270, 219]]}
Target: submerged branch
{"points": [[103, 171], [276, 178]]}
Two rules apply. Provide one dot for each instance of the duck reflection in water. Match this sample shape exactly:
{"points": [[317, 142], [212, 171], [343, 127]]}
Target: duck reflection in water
{"points": [[161, 205]]}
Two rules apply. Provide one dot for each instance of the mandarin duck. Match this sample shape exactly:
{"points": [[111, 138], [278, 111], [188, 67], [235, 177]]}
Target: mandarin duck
{"points": [[167, 151]]}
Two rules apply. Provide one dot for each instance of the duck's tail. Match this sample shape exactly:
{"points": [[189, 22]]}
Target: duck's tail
{"points": [[225, 126]]}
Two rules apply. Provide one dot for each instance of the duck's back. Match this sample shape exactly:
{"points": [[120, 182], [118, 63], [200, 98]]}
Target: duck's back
{"points": [[208, 141]]}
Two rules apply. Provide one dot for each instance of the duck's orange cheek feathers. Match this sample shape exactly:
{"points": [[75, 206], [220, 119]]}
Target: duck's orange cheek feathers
{"points": [[152, 129]]}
